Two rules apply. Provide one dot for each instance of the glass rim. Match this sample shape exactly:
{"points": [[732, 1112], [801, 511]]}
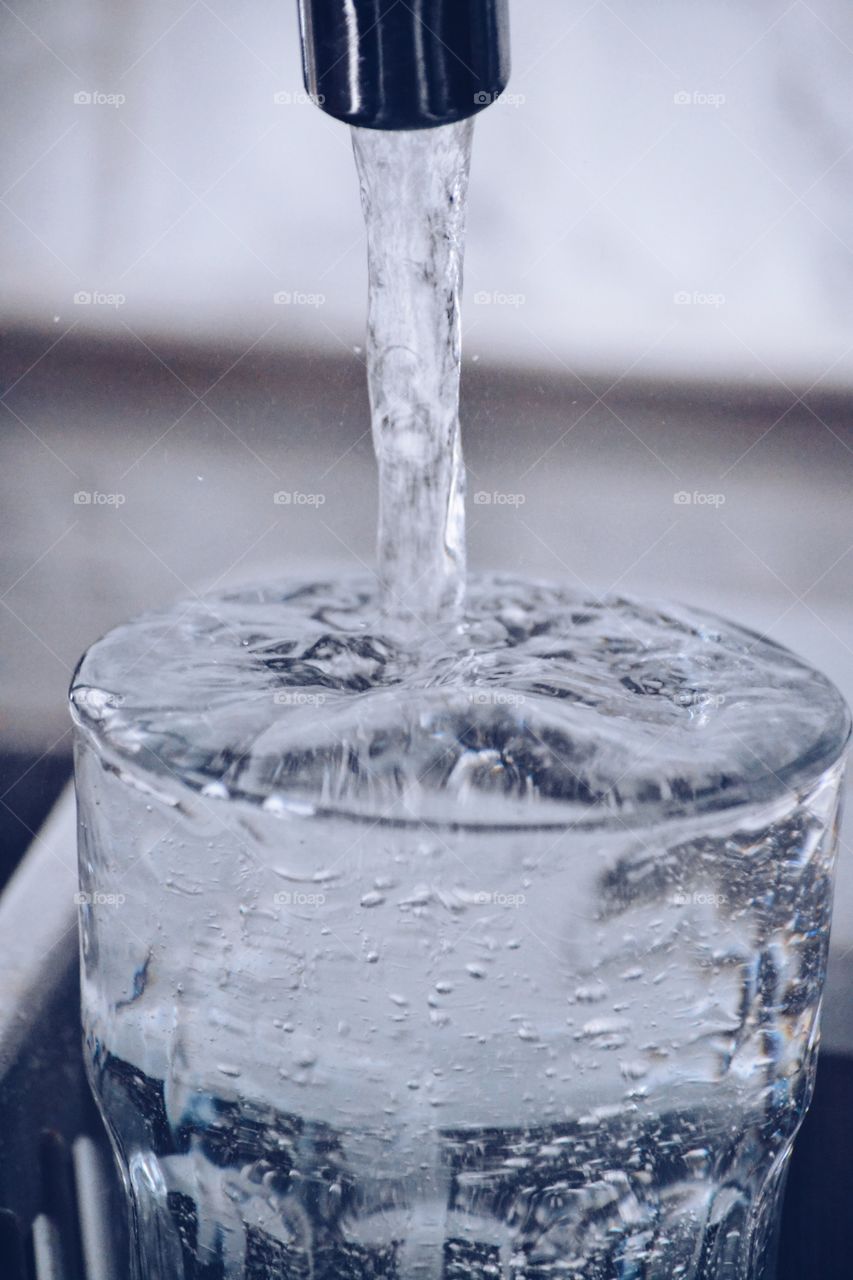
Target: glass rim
{"points": [[825, 748], [828, 751]]}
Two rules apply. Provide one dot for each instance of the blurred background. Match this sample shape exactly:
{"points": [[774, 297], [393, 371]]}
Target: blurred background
{"points": [[658, 322]]}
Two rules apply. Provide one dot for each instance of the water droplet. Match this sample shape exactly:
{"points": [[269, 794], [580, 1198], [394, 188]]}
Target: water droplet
{"points": [[604, 1027], [279, 805], [696, 1160], [633, 1070], [591, 993], [476, 970], [372, 899]]}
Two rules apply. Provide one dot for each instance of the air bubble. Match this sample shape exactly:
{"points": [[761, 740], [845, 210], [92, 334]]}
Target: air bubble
{"points": [[372, 899]]}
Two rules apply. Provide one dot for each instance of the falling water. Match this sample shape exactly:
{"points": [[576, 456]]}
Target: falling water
{"points": [[414, 190]]}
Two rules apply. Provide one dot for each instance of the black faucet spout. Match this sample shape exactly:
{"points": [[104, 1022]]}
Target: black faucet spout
{"points": [[405, 64]]}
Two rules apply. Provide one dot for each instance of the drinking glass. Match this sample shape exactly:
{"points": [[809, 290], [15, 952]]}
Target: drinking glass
{"points": [[482, 976]]}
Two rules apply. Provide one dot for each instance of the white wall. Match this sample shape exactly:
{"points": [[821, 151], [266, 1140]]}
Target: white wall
{"points": [[597, 197]]}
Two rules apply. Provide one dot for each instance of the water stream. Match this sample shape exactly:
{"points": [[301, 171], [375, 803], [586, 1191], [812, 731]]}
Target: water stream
{"points": [[414, 193]]}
